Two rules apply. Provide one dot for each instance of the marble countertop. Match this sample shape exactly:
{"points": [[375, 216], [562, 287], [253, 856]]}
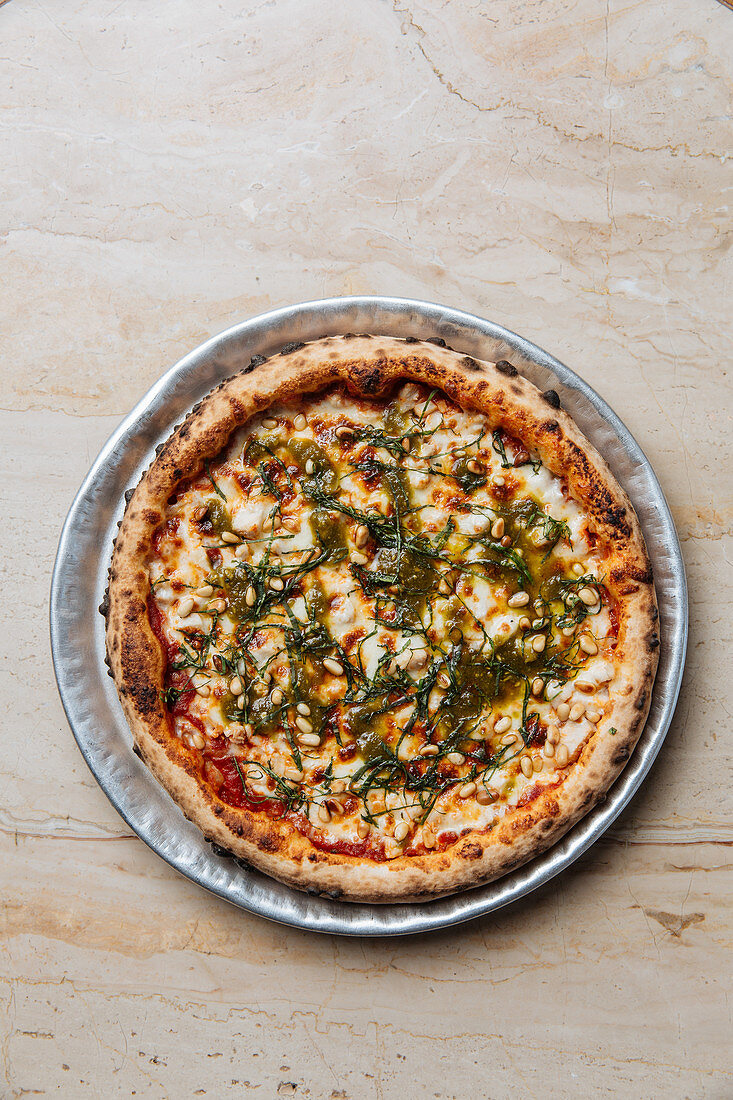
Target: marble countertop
{"points": [[167, 169]]}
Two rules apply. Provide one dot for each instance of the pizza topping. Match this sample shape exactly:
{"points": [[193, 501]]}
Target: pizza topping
{"points": [[392, 638]]}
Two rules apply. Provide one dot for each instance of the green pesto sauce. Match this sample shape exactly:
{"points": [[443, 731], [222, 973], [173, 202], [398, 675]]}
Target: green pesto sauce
{"points": [[329, 529], [235, 582], [395, 420], [218, 515], [366, 725], [467, 479]]}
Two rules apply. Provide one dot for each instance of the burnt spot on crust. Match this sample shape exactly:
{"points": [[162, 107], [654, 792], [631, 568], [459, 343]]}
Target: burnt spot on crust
{"points": [[550, 426], [349, 336], [437, 340], [552, 397], [411, 340], [294, 345], [151, 516], [104, 605], [621, 756], [144, 695], [601, 500], [505, 367], [469, 363], [470, 850], [369, 381], [628, 578], [128, 495], [255, 361], [640, 703]]}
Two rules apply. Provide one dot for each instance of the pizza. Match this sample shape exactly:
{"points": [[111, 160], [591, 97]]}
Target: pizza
{"points": [[382, 621]]}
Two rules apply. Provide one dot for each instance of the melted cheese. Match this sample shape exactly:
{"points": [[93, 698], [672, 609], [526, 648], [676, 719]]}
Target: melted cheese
{"points": [[407, 591]]}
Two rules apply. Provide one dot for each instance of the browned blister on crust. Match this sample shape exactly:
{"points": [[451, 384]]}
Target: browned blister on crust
{"points": [[369, 366]]}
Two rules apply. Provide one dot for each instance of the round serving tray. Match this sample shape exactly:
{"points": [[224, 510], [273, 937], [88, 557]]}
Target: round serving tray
{"points": [[80, 577]]}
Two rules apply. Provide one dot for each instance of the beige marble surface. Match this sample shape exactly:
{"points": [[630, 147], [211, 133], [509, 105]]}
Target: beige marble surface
{"points": [[168, 168]]}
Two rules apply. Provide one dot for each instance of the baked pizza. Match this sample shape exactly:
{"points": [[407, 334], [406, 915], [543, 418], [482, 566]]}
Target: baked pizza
{"points": [[382, 621]]}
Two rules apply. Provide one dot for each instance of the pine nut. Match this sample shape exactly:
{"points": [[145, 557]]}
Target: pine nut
{"points": [[359, 559], [290, 523], [218, 605], [406, 444], [497, 529], [241, 701], [361, 537], [304, 725], [548, 749], [536, 764], [198, 740], [205, 591], [293, 774], [589, 596], [402, 831], [525, 764], [578, 569], [323, 814], [561, 756], [276, 584], [429, 750], [300, 422], [363, 829], [456, 758], [485, 796], [250, 596], [474, 467], [235, 685], [303, 708], [499, 482], [427, 837], [467, 790], [269, 422], [248, 727], [199, 512], [538, 686], [310, 467], [553, 736], [538, 643], [277, 697], [506, 541], [563, 711], [588, 646], [593, 715], [584, 683], [519, 599], [203, 691], [344, 432], [230, 537], [185, 607], [309, 740], [332, 666], [510, 739], [501, 725], [577, 711]]}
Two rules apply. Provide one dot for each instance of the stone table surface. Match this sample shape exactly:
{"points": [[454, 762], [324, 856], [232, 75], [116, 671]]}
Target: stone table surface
{"points": [[167, 169]]}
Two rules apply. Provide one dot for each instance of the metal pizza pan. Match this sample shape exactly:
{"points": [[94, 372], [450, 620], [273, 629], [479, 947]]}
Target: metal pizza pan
{"points": [[80, 577]]}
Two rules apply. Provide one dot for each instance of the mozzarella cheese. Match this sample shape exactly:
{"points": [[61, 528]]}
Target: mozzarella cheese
{"points": [[374, 622]]}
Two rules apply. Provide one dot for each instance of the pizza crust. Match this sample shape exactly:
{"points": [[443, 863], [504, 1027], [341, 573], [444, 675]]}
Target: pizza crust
{"points": [[370, 365]]}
